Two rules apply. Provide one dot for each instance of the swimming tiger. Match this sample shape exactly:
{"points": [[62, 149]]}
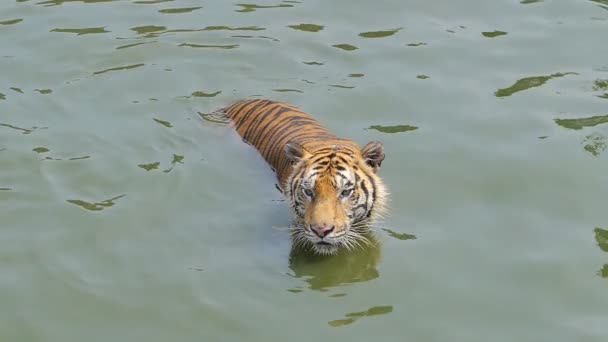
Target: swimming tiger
{"points": [[332, 184]]}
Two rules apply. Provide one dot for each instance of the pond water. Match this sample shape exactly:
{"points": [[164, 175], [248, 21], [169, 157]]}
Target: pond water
{"points": [[124, 216]]}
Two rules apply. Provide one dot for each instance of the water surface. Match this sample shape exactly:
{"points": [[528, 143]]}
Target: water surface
{"points": [[124, 215]]}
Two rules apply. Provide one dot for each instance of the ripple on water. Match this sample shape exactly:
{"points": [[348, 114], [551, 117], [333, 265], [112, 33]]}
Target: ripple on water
{"points": [[150, 166], [95, 206], [205, 94], [581, 123], [163, 122], [206, 46], [601, 237], [16, 89], [176, 159], [602, 3], [257, 37], [127, 67], [393, 129], [601, 85], [48, 3], [179, 10], [81, 31], [399, 236], [595, 144], [133, 45], [307, 27], [353, 316], [245, 8], [527, 83], [287, 90], [23, 130], [494, 34], [341, 86], [40, 150], [151, 2], [346, 47], [10, 22], [379, 34], [148, 29]]}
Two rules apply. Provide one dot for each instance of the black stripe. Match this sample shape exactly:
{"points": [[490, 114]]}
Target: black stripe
{"points": [[258, 121], [268, 133], [249, 112], [373, 194]]}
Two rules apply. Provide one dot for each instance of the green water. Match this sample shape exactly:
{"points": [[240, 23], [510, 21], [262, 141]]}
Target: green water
{"points": [[124, 216]]}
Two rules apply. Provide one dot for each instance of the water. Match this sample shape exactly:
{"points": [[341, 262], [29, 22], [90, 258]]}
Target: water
{"points": [[124, 216]]}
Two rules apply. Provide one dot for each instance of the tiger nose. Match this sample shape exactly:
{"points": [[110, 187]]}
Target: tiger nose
{"points": [[322, 230]]}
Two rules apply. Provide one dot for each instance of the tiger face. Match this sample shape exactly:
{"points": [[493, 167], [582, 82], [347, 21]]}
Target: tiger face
{"points": [[334, 193]]}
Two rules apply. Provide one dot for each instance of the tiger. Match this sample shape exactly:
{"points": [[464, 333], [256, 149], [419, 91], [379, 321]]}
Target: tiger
{"points": [[331, 183]]}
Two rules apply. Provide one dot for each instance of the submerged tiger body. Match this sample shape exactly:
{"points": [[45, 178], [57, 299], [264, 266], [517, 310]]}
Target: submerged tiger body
{"points": [[331, 183]]}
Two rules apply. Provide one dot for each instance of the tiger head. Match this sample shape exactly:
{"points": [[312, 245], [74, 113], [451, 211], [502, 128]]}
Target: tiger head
{"points": [[335, 192]]}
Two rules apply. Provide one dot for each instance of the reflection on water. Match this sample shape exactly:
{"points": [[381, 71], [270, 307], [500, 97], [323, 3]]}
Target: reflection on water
{"points": [[127, 67], [152, 31], [601, 236], [287, 90], [527, 83], [23, 130], [353, 316], [393, 129], [253, 7], [10, 22], [134, 44], [151, 2], [582, 122], [40, 150], [81, 31], [97, 206], [379, 34], [226, 47], [399, 236], [204, 94], [307, 27], [601, 85], [346, 47], [163, 122], [602, 3], [176, 159], [595, 144], [178, 10], [61, 2], [323, 272], [259, 37], [2, 96], [493, 34]]}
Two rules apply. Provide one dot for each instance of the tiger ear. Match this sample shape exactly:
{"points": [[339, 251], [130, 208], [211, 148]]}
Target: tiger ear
{"points": [[373, 154], [295, 152]]}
